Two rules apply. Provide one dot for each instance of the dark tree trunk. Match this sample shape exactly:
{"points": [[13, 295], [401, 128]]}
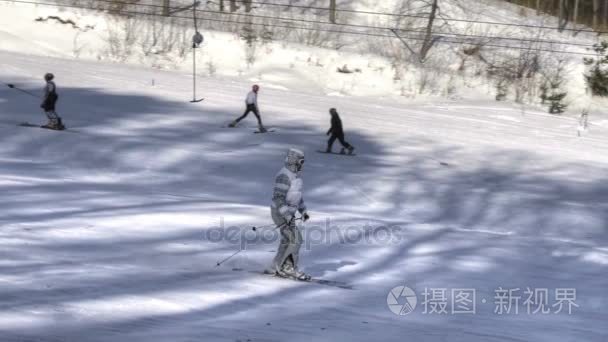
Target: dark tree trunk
{"points": [[332, 11], [427, 44], [596, 13], [605, 15], [166, 7], [562, 15]]}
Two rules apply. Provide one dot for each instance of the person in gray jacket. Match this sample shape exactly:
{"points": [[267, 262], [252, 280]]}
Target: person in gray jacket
{"points": [[287, 200]]}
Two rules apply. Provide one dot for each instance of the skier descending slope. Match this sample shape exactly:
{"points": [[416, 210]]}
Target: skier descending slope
{"points": [[48, 103], [286, 201], [337, 132], [252, 106]]}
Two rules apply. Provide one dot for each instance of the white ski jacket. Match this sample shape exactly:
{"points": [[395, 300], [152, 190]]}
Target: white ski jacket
{"points": [[252, 98], [287, 195]]}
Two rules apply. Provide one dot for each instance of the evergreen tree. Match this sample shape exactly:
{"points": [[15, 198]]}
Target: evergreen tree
{"points": [[597, 73], [556, 106], [551, 90]]}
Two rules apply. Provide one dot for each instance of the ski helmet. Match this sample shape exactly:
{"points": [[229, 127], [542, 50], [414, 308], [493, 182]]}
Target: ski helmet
{"points": [[48, 76], [255, 87], [294, 160], [333, 111]]}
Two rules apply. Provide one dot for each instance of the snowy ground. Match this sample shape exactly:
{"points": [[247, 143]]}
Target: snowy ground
{"points": [[104, 232]]}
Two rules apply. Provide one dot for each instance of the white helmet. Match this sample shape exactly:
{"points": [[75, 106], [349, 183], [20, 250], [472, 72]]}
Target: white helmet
{"points": [[294, 160]]}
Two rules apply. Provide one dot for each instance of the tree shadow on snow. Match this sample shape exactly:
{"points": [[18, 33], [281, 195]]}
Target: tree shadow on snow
{"points": [[132, 159]]}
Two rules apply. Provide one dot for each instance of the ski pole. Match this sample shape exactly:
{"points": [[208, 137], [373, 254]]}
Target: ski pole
{"points": [[219, 263], [12, 86], [254, 228], [228, 258]]}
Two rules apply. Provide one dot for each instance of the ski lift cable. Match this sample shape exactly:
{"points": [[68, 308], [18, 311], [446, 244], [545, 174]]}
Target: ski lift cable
{"points": [[443, 41], [249, 15]]}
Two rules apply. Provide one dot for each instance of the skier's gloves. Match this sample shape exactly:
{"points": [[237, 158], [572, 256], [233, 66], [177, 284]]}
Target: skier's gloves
{"points": [[290, 220], [290, 213], [306, 217]]}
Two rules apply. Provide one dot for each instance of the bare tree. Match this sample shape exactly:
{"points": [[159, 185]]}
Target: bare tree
{"points": [[428, 42], [430, 14], [221, 5], [233, 6]]}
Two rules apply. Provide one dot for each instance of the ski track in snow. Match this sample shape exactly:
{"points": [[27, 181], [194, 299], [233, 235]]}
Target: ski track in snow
{"points": [[103, 233]]}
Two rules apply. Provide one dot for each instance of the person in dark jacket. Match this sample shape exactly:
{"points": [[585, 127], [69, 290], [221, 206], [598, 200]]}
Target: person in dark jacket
{"points": [[49, 100], [337, 132]]}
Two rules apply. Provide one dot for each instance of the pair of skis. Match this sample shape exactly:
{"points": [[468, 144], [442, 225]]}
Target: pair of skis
{"points": [[340, 154], [319, 281], [27, 124], [268, 130]]}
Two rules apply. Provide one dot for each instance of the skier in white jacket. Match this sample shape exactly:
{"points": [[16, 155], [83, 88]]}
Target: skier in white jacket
{"points": [[252, 106], [287, 199]]}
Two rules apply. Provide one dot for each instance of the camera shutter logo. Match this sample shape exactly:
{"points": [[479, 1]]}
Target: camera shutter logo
{"points": [[401, 300]]}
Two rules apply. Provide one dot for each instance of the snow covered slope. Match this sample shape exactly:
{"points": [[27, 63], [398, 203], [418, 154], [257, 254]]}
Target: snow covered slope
{"points": [[109, 232]]}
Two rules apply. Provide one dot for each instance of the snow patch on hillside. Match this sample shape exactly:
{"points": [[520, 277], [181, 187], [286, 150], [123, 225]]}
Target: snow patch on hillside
{"points": [[292, 66]]}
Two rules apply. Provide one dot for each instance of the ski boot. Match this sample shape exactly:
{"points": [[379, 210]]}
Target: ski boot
{"points": [[289, 271], [291, 274], [59, 125], [328, 150], [54, 124], [49, 125], [351, 149], [232, 124], [262, 129], [342, 151], [302, 276]]}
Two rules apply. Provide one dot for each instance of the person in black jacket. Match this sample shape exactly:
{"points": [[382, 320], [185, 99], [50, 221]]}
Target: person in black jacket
{"points": [[337, 132], [49, 101]]}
